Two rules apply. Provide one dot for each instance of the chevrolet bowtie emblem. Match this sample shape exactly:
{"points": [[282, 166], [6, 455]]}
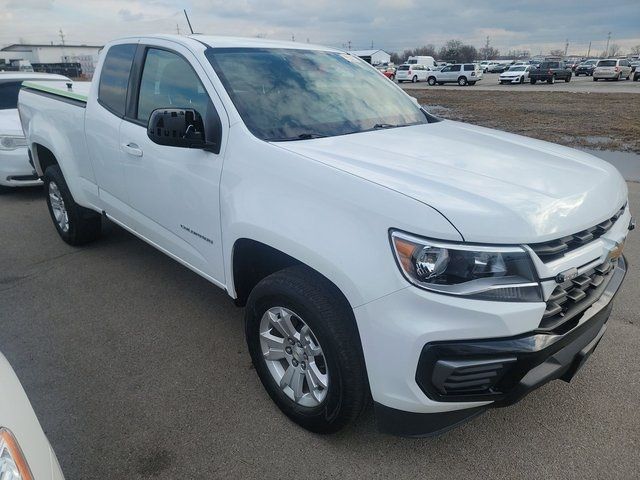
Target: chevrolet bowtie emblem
{"points": [[567, 275]]}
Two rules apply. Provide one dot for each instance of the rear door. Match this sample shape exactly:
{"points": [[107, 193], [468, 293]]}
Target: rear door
{"points": [[174, 192], [103, 118]]}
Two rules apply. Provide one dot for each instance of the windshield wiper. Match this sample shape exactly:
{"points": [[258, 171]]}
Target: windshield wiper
{"points": [[379, 126], [302, 136]]}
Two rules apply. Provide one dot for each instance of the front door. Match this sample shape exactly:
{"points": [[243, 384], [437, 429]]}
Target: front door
{"points": [[174, 192]]}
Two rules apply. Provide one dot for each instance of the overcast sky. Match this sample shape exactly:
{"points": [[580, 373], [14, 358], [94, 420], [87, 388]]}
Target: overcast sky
{"points": [[392, 25]]}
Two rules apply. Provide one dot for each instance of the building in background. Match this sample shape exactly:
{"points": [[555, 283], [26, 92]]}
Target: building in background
{"points": [[374, 57], [69, 60]]}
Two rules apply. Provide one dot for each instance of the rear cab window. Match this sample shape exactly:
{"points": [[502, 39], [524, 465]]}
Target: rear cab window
{"points": [[607, 63], [114, 78]]}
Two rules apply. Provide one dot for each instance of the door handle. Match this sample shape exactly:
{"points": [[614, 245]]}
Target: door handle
{"points": [[132, 149]]}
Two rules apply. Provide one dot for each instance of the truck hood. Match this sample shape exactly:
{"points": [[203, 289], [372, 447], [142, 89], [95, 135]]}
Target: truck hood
{"points": [[10, 122], [494, 187]]}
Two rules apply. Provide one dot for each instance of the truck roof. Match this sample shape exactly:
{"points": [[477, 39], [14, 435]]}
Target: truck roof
{"points": [[215, 41]]}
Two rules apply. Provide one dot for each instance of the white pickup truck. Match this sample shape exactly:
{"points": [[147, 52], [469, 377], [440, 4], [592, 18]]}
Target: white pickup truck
{"points": [[436, 267]]}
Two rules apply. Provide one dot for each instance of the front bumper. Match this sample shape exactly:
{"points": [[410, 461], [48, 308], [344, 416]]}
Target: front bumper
{"points": [[514, 365], [510, 79], [15, 169]]}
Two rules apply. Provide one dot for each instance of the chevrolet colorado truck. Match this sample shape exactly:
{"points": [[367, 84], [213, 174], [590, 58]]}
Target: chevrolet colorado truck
{"points": [[436, 268]]}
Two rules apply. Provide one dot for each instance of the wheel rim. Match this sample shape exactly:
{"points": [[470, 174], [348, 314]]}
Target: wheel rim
{"points": [[294, 356], [58, 207]]}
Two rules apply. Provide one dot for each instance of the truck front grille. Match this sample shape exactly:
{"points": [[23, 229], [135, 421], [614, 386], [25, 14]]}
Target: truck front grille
{"points": [[569, 299], [548, 251]]}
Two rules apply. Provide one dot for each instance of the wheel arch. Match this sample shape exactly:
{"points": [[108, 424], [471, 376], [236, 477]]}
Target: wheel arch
{"points": [[253, 261]]}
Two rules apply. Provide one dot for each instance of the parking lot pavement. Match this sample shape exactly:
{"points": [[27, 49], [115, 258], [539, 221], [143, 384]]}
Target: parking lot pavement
{"points": [[577, 84], [137, 368]]}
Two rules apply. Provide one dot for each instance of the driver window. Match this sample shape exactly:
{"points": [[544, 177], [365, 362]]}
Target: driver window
{"points": [[169, 81]]}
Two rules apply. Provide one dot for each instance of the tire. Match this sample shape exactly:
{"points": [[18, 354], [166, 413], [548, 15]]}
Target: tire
{"points": [[462, 81], [414, 79], [521, 80], [533, 81], [392, 77], [568, 79], [472, 83], [312, 300], [431, 81], [76, 225], [595, 79], [618, 77], [552, 80]]}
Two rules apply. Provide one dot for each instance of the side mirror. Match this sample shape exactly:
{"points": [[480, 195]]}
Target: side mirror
{"points": [[177, 127]]}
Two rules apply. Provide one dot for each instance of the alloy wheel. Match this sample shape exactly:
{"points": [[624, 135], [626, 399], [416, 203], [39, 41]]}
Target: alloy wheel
{"points": [[58, 207], [294, 356]]}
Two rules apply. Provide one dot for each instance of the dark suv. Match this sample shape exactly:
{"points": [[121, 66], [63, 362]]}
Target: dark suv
{"points": [[549, 72]]}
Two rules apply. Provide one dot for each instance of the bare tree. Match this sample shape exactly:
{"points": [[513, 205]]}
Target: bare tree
{"points": [[488, 52], [556, 53], [635, 50], [614, 50]]}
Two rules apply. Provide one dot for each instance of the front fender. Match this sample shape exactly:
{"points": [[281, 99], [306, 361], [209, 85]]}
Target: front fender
{"points": [[332, 221]]}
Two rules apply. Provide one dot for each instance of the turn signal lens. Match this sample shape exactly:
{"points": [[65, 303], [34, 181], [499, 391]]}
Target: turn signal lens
{"points": [[13, 465]]}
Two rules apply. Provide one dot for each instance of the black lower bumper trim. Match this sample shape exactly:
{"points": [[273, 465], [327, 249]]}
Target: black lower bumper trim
{"points": [[503, 370], [409, 424]]}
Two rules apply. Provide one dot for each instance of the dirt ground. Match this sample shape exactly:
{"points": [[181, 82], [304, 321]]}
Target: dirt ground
{"points": [[606, 121]]}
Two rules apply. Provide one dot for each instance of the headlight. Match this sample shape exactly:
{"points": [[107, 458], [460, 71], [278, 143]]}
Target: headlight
{"points": [[11, 142], [476, 271], [13, 465]]}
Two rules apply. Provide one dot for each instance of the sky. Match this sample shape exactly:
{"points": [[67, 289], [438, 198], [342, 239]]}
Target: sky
{"points": [[392, 25]]}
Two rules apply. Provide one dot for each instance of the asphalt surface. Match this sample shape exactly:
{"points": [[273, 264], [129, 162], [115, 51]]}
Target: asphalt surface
{"points": [[579, 84], [137, 368]]}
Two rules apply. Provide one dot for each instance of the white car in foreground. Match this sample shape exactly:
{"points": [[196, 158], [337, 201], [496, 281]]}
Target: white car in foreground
{"points": [[15, 169], [25, 452], [515, 74], [437, 267]]}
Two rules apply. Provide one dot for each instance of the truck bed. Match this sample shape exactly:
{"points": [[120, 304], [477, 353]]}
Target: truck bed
{"points": [[77, 94]]}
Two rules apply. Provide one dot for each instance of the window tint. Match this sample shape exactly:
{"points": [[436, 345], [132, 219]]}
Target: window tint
{"points": [[607, 63], [469, 68], [9, 94], [169, 81], [114, 77], [404, 67], [456, 68]]}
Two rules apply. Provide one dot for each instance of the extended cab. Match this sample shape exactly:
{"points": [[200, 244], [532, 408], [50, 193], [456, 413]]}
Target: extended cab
{"points": [[437, 267], [550, 71]]}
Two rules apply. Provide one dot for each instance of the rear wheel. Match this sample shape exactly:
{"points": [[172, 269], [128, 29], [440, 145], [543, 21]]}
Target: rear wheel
{"points": [[431, 81], [76, 225], [533, 81], [552, 79], [568, 79], [306, 350], [414, 79], [462, 81]]}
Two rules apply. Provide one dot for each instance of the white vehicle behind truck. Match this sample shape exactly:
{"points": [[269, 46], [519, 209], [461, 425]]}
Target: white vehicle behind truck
{"points": [[15, 168], [424, 60], [436, 267]]}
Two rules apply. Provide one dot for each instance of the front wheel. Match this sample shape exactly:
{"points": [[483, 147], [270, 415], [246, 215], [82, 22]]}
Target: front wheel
{"points": [[414, 79], [76, 225], [306, 349]]}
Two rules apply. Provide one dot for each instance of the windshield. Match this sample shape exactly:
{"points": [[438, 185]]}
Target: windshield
{"points": [[288, 94], [516, 69], [607, 63]]}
